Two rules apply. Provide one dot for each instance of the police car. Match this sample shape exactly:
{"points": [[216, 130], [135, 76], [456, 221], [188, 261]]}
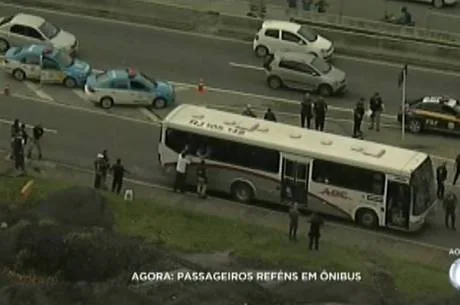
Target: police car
{"points": [[128, 86], [436, 113], [48, 65]]}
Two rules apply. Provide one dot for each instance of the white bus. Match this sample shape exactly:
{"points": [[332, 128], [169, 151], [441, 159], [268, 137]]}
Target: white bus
{"points": [[250, 158]]}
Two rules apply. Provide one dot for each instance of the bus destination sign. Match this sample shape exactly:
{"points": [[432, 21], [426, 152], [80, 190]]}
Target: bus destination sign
{"points": [[218, 127]]}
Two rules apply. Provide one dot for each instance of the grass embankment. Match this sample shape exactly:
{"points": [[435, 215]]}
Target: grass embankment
{"points": [[191, 232]]}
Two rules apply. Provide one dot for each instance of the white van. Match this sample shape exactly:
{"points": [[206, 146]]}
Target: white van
{"points": [[282, 36]]}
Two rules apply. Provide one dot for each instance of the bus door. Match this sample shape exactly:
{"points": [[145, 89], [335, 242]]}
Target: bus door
{"points": [[294, 181], [397, 205]]}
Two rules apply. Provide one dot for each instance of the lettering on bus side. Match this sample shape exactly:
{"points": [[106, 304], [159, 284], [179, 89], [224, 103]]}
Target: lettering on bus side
{"points": [[335, 193], [374, 198], [213, 126]]}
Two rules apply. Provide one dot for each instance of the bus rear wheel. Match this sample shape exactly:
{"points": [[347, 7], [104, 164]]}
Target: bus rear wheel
{"points": [[242, 192], [367, 218]]}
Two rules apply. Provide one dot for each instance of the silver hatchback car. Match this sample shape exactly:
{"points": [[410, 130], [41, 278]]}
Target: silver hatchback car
{"points": [[302, 71]]}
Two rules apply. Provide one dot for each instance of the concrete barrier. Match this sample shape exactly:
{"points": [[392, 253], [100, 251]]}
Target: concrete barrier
{"points": [[244, 28], [365, 26]]}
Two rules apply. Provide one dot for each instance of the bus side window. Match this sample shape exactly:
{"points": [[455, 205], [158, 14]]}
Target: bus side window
{"points": [[177, 140], [347, 176]]}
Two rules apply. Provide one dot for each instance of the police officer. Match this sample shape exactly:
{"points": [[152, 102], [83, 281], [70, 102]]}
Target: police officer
{"points": [[248, 111], [202, 178], [18, 153], [15, 130], [441, 176], [25, 136], [306, 111], [457, 169], [320, 109], [450, 206], [37, 134], [376, 107], [105, 167], [269, 115], [293, 221], [98, 171], [358, 115], [316, 222], [118, 171]]}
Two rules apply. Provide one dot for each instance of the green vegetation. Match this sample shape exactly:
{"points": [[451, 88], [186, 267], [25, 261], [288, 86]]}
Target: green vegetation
{"points": [[191, 232]]}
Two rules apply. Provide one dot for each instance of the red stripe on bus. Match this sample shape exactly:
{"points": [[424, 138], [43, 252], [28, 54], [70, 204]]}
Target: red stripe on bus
{"points": [[223, 166]]}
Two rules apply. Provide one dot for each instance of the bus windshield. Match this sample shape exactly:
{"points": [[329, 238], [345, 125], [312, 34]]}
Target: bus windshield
{"points": [[423, 187]]}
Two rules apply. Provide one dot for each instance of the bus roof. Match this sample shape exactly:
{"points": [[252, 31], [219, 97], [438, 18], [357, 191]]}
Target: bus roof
{"points": [[295, 140]]}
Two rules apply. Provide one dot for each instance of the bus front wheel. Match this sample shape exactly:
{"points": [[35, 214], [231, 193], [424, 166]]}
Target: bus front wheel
{"points": [[242, 192], [367, 218]]}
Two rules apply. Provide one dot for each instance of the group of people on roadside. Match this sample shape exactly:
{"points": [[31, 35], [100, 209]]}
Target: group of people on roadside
{"points": [[183, 162], [22, 145], [102, 168]]}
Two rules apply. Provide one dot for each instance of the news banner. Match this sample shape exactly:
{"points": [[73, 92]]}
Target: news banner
{"points": [[246, 276]]}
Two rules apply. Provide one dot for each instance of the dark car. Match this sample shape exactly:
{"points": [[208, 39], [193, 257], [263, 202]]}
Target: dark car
{"points": [[432, 113]]}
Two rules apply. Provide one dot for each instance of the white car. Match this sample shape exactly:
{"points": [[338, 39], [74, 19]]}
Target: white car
{"points": [[282, 36], [22, 29]]}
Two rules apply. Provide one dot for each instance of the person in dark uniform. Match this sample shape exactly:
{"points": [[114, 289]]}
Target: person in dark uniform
{"points": [[441, 176], [358, 115], [98, 169], [15, 131], [320, 109], [450, 206], [118, 172], [202, 178], [37, 134], [293, 221], [457, 169], [377, 107], [25, 136], [306, 111], [269, 115], [18, 153], [316, 222]]}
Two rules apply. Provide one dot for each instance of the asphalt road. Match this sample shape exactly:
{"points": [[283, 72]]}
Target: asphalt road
{"points": [[187, 58], [80, 134]]}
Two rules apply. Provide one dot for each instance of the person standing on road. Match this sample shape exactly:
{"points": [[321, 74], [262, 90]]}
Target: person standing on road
{"points": [[316, 222], [25, 136], [450, 206], [358, 115], [181, 171], [257, 8], [306, 111], [291, 9], [376, 106], [37, 133], [105, 167], [270, 115], [320, 109], [15, 131], [118, 172], [248, 111], [98, 170], [441, 176], [457, 169], [202, 179], [18, 153], [293, 221]]}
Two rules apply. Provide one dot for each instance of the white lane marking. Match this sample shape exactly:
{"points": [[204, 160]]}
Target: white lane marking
{"points": [[236, 65], [213, 37], [245, 207], [38, 91], [87, 110], [8, 122], [81, 94], [272, 98], [149, 115], [288, 114], [96, 71]]}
